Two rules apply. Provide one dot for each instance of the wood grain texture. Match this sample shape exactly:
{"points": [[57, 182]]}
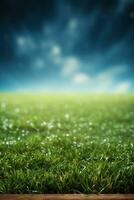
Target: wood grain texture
{"points": [[66, 197]]}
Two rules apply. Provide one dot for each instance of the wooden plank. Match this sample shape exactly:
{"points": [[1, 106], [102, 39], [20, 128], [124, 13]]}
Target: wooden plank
{"points": [[66, 197]]}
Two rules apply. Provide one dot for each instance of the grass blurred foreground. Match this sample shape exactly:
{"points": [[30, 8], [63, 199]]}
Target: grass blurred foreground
{"points": [[66, 143]]}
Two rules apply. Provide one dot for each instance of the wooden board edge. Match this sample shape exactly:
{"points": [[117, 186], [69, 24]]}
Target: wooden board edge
{"points": [[66, 197]]}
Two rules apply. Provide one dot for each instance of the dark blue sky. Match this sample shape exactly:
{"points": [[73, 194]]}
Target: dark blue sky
{"points": [[67, 45]]}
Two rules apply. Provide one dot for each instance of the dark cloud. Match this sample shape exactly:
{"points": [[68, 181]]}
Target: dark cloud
{"points": [[34, 32]]}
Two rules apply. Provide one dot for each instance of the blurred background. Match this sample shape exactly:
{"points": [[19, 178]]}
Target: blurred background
{"points": [[67, 46]]}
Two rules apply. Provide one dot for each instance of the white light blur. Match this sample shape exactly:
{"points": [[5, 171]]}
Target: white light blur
{"points": [[80, 78], [70, 66]]}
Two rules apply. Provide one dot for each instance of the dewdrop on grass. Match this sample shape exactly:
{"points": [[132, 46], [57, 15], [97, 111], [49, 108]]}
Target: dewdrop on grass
{"points": [[50, 126], [43, 123], [59, 125], [67, 116]]}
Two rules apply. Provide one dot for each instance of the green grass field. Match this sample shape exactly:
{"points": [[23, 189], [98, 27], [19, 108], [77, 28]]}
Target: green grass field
{"points": [[66, 143]]}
